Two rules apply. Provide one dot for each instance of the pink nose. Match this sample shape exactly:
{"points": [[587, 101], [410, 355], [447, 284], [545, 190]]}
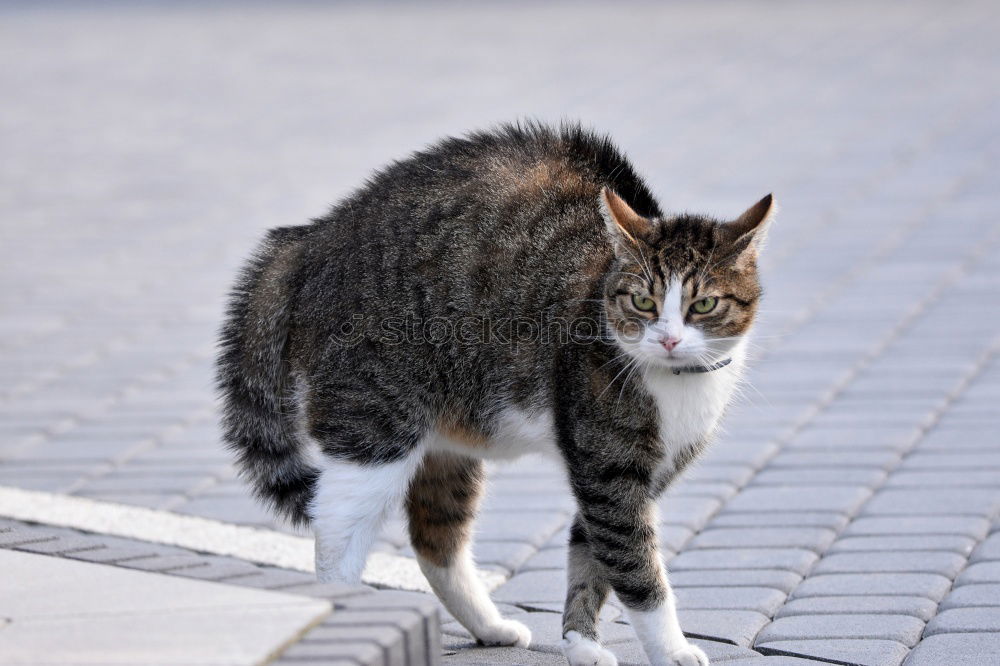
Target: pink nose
{"points": [[670, 343]]}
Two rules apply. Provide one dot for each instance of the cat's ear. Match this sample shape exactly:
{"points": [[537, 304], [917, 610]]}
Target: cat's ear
{"points": [[623, 223], [748, 232]]}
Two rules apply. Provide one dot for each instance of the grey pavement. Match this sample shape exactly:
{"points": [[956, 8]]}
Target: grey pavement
{"points": [[851, 511]]}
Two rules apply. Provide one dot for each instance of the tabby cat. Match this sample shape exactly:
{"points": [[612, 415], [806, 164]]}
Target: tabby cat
{"points": [[517, 290]]}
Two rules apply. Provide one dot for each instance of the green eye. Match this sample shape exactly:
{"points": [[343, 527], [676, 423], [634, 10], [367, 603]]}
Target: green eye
{"points": [[643, 303], [705, 305]]}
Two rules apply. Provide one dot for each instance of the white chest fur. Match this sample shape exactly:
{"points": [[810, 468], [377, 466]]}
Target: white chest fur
{"points": [[691, 404]]}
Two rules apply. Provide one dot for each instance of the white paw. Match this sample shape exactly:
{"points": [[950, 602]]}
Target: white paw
{"points": [[689, 655], [505, 632], [580, 651]]}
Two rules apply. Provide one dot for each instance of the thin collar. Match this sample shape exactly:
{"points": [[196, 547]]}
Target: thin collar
{"points": [[697, 369]]}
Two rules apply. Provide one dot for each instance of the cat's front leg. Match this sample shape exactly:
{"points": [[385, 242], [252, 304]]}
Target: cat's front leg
{"points": [[620, 523], [441, 505], [586, 591]]}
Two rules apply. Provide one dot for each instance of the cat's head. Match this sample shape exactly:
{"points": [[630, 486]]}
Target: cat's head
{"points": [[682, 290]]}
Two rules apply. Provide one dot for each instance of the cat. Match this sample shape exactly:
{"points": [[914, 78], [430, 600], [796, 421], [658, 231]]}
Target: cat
{"points": [[341, 403]]}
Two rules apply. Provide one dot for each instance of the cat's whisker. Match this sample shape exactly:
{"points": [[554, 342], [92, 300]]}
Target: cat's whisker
{"points": [[620, 372]]}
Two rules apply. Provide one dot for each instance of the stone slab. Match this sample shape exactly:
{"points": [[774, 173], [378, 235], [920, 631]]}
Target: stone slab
{"points": [[903, 629], [986, 594], [937, 562], [842, 651], [977, 649], [919, 607], [931, 586], [798, 560], [965, 620], [816, 539], [141, 617], [954, 543]]}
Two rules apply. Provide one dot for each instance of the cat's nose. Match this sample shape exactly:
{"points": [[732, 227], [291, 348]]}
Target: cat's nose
{"points": [[670, 343]]}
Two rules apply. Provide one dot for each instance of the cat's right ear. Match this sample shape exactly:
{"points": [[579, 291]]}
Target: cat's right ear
{"points": [[623, 223]]}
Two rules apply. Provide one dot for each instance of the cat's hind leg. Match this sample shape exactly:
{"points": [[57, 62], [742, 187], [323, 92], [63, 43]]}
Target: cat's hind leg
{"points": [[348, 509], [586, 591], [441, 507]]}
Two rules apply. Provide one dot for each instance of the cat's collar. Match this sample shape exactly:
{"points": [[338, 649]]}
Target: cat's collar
{"points": [[697, 369]]}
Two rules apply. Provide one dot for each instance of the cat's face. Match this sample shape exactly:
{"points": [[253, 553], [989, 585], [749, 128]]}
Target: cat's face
{"points": [[683, 291]]}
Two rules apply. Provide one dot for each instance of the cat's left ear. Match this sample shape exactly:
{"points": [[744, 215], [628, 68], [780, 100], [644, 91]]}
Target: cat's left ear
{"points": [[622, 221], [748, 232]]}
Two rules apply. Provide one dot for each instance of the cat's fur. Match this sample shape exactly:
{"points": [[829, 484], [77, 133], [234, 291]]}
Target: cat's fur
{"points": [[335, 416]]}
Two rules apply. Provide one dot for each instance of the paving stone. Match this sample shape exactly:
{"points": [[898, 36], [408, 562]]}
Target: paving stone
{"points": [[953, 501], [546, 631], [816, 539], [689, 512], [274, 579], [715, 490], [903, 629], [735, 626], [610, 612], [360, 651], [919, 607], [717, 652], [550, 558], [512, 526], [978, 649], [965, 620], [984, 478], [509, 555], [729, 452], [532, 586], [940, 461], [946, 564], [968, 526], [217, 569], [168, 563], [674, 537], [476, 655], [114, 554], [852, 476], [61, 545], [981, 572], [764, 600], [842, 439], [737, 475], [828, 519], [841, 651], [953, 543], [985, 594], [884, 460], [988, 550], [931, 586], [758, 660], [16, 538], [842, 499], [778, 579], [798, 560], [412, 613]]}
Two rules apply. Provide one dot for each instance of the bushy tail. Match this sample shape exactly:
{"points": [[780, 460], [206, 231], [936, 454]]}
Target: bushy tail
{"points": [[252, 378]]}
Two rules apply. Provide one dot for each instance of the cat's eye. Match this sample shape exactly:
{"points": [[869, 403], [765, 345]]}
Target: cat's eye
{"points": [[643, 303], [705, 305]]}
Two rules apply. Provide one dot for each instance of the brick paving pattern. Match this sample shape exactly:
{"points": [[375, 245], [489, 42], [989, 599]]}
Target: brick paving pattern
{"points": [[851, 511]]}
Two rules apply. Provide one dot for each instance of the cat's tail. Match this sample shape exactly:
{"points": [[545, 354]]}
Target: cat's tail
{"points": [[252, 378]]}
